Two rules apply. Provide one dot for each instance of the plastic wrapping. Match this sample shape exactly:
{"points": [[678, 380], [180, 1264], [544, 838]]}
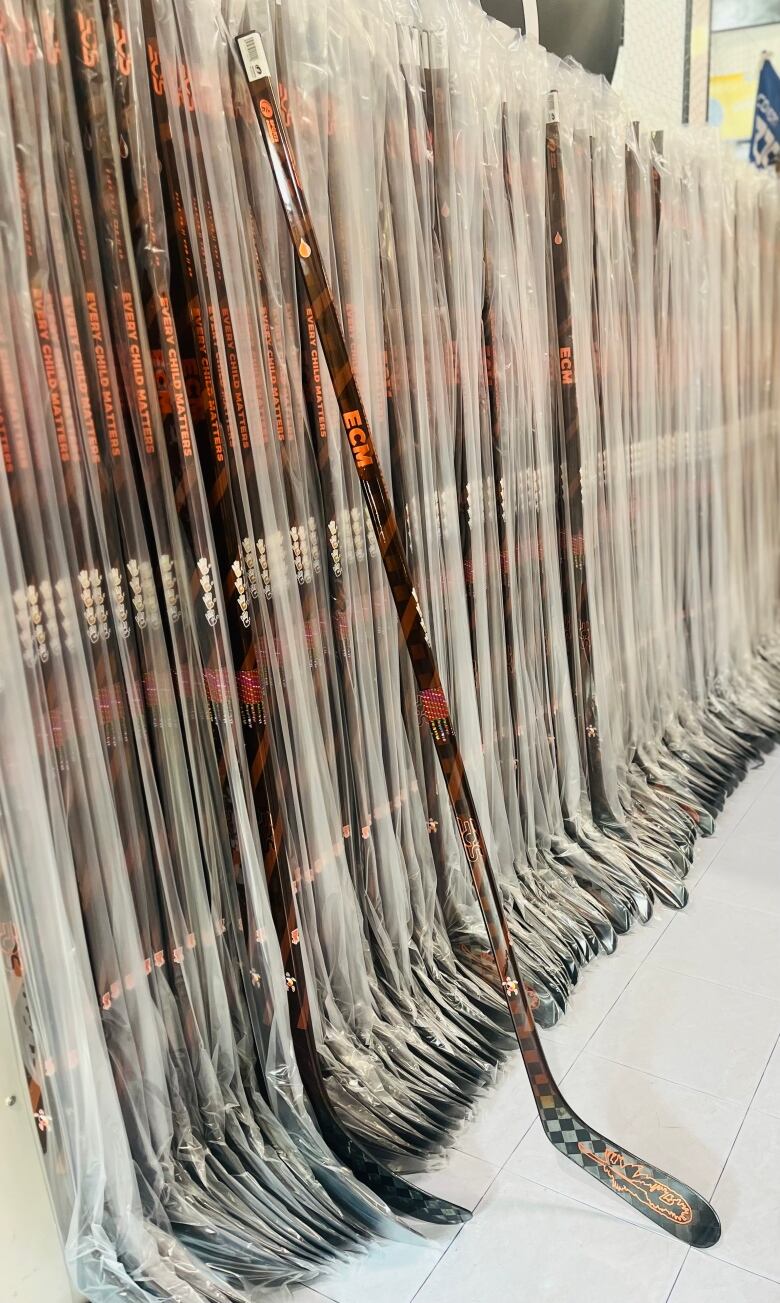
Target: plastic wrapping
{"points": [[262, 963]]}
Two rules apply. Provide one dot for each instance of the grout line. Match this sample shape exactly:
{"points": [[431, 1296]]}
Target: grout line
{"points": [[626, 985], [745, 813], [501, 1165], [671, 1081], [498, 1170], [746, 1271], [294, 1295], [644, 1225], [678, 1275], [744, 1120], [438, 1261], [722, 986], [664, 966], [734, 904]]}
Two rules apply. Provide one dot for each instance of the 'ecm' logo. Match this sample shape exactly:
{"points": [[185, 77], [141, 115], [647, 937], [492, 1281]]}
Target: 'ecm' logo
{"points": [[567, 367], [358, 439]]}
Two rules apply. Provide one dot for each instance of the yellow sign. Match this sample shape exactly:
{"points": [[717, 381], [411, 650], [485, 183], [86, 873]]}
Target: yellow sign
{"points": [[732, 104]]}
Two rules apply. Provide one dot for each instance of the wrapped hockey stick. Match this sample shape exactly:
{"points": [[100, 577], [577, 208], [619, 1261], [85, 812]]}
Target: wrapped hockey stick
{"points": [[668, 1202], [581, 405], [192, 250]]}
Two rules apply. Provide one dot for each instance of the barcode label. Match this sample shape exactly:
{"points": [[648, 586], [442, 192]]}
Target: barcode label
{"points": [[253, 54]]}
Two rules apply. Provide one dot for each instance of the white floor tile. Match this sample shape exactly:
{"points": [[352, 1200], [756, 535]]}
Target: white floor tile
{"points": [[602, 982], [762, 818], [706, 1280], [740, 804], [767, 1097], [565, 1041], [726, 943], [691, 1031], [387, 1273], [773, 766], [746, 873], [732, 815], [727, 820], [771, 784], [763, 780], [748, 1198], [531, 1243], [461, 1178], [678, 1129], [753, 786]]}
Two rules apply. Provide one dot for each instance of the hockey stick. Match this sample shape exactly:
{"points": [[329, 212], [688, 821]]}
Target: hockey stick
{"points": [[666, 1201]]}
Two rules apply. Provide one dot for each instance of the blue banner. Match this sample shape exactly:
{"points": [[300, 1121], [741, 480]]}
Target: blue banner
{"points": [[765, 145]]}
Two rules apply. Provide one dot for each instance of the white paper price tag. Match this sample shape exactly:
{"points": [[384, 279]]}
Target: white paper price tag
{"points": [[253, 54]]}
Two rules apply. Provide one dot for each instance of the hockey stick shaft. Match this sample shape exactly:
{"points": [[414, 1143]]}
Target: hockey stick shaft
{"points": [[432, 698]]}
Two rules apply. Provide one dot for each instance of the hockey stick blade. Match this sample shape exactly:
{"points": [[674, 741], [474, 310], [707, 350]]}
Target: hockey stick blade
{"points": [[666, 1201], [670, 1203]]}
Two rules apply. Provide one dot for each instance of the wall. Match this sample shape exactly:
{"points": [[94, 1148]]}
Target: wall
{"points": [[662, 67], [32, 1268]]}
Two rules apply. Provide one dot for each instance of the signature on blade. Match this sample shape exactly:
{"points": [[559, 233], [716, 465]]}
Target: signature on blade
{"points": [[639, 1183]]}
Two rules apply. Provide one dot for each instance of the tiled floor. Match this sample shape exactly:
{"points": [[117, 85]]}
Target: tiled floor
{"points": [[672, 1046]]}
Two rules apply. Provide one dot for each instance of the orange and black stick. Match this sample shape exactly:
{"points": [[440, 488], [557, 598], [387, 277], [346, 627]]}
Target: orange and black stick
{"points": [[668, 1202]]}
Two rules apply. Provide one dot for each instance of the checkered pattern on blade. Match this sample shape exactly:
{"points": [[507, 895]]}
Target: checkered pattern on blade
{"points": [[567, 1134]]}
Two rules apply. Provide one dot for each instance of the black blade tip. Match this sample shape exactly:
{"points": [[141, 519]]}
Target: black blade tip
{"points": [[707, 1228]]}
